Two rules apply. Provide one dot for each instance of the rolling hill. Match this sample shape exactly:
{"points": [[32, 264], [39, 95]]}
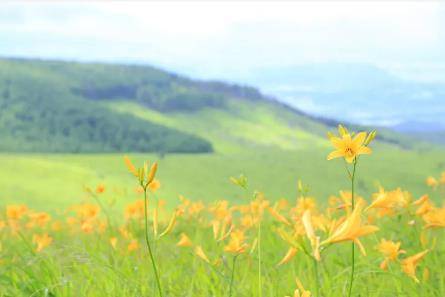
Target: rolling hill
{"points": [[56, 106], [41, 111], [82, 110]]}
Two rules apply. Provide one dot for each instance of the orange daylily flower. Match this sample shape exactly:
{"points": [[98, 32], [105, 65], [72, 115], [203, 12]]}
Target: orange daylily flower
{"points": [[39, 219], [42, 241], [435, 218], [351, 229], [425, 207], [303, 204], [278, 216], [171, 224], [310, 233], [409, 264], [133, 246], [113, 242], [184, 241], [291, 252], [349, 148], [154, 185], [390, 251], [300, 291], [200, 253], [135, 210], [236, 243], [15, 212], [100, 189], [130, 166], [432, 182]]}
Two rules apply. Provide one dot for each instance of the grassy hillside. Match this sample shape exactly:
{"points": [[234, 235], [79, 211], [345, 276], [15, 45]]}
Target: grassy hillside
{"points": [[241, 126], [58, 180], [53, 106]]}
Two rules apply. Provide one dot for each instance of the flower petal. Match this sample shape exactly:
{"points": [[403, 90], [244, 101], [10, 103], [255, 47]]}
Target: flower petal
{"points": [[337, 142], [365, 230], [364, 150], [359, 138], [335, 154]]}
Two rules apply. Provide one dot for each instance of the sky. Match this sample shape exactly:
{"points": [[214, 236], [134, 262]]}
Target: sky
{"points": [[228, 39], [254, 43]]}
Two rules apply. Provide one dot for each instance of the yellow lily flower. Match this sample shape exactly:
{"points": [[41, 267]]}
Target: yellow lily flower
{"points": [[133, 246], [351, 229], [113, 242], [42, 241], [291, 252], [388, 202], [432, 182], [424, 208], [278, 216], [303, 204], [300, 291], [200, 253], [15, 212], [409, 264], [310, 233], [435, 218], [348, 147], [390, 251], [421, 200], [236, 244], [171, 224], [184, 241]]}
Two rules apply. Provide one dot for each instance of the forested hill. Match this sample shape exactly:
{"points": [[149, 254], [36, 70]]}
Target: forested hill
{"points": [[56, 106], [53, 106]]}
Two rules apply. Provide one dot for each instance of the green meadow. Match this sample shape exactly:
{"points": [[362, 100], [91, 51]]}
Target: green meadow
{"points": [[51, 181]]}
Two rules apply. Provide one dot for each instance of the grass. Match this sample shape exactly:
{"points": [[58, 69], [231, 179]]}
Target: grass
{"points": [[240, 126], [56, 181], [83, 263], [80, 263]]}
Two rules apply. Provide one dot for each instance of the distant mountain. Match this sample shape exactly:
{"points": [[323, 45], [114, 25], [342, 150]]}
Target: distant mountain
{"points": [[419, 127], [55, 106], [426, 131], [358, 93]]}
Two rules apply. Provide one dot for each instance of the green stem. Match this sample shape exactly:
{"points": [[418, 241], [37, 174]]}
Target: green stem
{"points": [[148, 244], [233, 275], [351, 280], [260, 288], [317, 288]]}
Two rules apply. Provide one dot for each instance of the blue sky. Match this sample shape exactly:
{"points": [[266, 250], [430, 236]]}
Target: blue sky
{"points": [[227, 39]]}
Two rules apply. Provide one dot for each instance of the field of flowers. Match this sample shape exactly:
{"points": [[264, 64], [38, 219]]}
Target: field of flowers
{"points": [[389, 244]]}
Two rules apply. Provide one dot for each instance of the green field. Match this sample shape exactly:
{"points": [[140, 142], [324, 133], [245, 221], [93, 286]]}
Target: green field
{"points": [[84, 263], [51, 181]]}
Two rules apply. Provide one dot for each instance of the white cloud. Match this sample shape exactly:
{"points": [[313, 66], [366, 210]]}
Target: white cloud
{"points": [[216, 38]]}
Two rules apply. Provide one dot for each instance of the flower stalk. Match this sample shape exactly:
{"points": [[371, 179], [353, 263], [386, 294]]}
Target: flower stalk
{"points": [[351, 279], [147, 241], [145, 178], [233, 275]]}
